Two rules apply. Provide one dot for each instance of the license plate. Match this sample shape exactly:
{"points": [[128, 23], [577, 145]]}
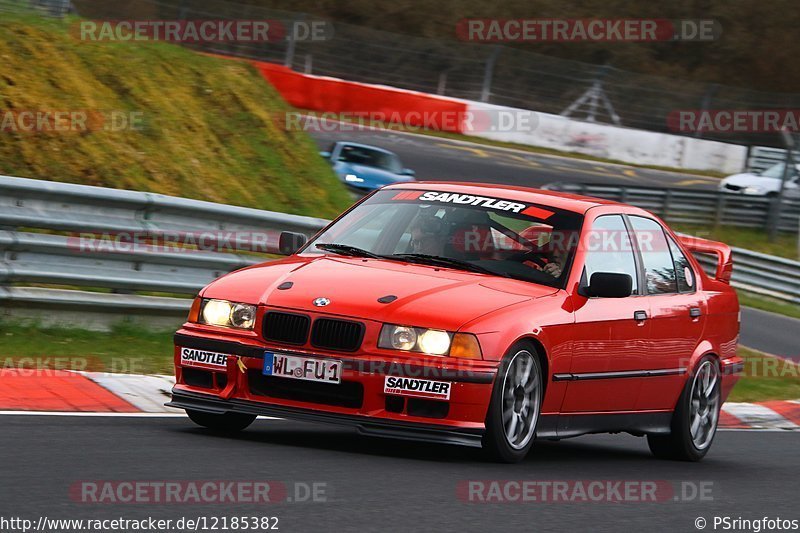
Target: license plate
{"points": [[306, 368]]}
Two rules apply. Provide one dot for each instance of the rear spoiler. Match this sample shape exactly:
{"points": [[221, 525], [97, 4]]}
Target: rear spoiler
{"points": [[721, 250]]}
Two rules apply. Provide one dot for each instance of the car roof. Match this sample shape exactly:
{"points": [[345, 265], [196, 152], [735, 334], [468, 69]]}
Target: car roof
{"points": [[560, 200], [371, 147]]}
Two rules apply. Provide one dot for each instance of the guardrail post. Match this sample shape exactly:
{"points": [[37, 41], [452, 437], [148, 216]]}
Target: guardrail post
{"points": [[666, 205], [719, 212]]}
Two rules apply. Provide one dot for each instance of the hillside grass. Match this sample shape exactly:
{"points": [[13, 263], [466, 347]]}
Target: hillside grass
{"points": [[207, 128]]}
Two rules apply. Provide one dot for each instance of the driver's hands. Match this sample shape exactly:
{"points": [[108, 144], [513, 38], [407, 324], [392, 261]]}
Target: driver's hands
{"points": [[554, 269]]}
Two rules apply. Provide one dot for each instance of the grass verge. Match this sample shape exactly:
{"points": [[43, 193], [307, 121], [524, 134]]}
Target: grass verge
{"points": [[785, 245], [161, 118], [126, 349], [768, 304], [766, 378]]}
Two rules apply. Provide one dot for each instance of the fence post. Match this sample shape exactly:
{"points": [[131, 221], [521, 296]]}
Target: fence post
{"points": [[288, 59], [666, 206], [441, 87], [719, 212], [488, 71], [774, 217]]}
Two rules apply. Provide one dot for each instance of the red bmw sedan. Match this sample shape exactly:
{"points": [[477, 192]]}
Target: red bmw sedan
{"points": [[479, 315]]}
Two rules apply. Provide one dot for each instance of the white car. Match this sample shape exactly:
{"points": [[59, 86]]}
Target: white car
{"points": [[765, 183]]}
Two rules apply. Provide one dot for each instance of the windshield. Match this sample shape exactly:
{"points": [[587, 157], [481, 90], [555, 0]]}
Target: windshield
{"points": [[776, 171], [360, 155], [466, 232]]}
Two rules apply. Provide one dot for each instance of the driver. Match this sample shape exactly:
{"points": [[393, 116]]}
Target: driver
{"points": [[426, 235]]}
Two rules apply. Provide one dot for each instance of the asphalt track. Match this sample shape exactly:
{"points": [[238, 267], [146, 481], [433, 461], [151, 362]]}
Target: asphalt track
{"points": [[383, 485], [434, 158]]}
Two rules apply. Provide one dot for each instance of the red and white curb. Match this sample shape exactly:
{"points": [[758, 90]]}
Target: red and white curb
{"points": [[96, 393]]}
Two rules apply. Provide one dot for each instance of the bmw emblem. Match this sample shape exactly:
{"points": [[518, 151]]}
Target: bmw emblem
{"points": [[322, 302]]}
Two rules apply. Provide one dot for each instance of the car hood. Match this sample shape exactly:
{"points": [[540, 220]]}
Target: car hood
{"points": [[426, 296], [752, 180]]}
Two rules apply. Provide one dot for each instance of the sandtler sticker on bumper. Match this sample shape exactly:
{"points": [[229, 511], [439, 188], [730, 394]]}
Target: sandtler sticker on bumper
{"points": [[420, 388], [193, 357]]}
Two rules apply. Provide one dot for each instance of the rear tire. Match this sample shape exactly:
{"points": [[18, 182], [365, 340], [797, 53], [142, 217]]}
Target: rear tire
{"points": [[515, 405], [694, 422], [228, 423]]}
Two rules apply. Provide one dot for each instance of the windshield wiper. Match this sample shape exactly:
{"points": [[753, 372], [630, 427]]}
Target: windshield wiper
{"points": [[346, 249], [445, 262]]}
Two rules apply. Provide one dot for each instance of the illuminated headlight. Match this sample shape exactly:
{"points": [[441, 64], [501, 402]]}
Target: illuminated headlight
{"points": [[228, 314], [753, 190], [352, 178]]}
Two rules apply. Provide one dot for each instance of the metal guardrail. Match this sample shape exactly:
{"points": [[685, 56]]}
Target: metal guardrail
{"points": [[702, 208], [124, 241], [32, 212]]}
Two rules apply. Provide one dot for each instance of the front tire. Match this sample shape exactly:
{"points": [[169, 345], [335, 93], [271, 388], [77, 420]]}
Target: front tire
{"points": [[515, 405], [694, 422], [227, 423]]}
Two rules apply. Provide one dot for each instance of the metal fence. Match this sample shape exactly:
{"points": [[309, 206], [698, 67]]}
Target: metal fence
{"points": [[695, 207], [51, 261], [501, 75], [760, 158], [52, 8]]}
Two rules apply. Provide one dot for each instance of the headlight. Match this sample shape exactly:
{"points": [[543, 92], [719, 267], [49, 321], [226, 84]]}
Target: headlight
{"points": [[429, 341], [228, 314], [753, 190], [352, 178]]}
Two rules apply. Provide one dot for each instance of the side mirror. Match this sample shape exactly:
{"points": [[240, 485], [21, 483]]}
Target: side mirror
{"points": [[408, 172], [290, 242], [609, 285], [325, 155]]}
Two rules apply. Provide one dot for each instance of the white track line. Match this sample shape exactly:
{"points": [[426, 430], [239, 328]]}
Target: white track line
{"points": [[758, 416]]}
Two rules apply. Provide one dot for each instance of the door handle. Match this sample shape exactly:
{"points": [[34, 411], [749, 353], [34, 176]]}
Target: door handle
{"points": [[640, 315], [695, 312]]}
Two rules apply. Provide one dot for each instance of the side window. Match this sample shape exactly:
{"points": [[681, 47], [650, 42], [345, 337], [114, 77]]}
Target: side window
{"points": [[683, 270], [610, 249], [658, 265]]}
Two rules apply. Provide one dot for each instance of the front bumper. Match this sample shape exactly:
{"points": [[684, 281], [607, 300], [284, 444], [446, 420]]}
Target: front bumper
{"points": [[359, 401]]}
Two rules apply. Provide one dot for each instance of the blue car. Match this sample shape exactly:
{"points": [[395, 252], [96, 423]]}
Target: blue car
{"points": [[364, 168]]}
